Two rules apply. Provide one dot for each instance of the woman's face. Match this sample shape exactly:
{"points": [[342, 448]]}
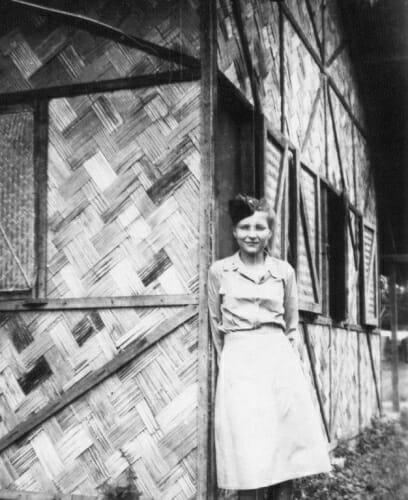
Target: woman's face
{"points": [[253, 233]]}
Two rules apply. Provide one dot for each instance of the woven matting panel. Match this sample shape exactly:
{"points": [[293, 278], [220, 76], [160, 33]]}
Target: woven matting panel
{"points": [[261, 24], [345, 384], [39, 53], [344, 128], [300, 13], [230, 54], [368, 399], [124, 193], [320, 343], [302, 81], [143, 416], [17, 200]]}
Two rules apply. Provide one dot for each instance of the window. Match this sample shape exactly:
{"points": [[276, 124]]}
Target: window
{"points": [[335, 243]]}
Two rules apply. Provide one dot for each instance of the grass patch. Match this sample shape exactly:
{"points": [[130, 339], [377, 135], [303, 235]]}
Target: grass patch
{"points": [[376, 469]]}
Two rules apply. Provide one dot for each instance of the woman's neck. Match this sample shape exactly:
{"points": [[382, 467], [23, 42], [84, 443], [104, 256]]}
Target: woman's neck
{"points": [[255, 260]]}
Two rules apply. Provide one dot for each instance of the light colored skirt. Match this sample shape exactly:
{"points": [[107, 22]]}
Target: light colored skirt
{"points": [[267, 429]]}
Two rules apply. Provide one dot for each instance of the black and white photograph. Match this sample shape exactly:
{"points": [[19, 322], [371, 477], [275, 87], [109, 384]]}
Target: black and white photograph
{"points": [[203, 249]]}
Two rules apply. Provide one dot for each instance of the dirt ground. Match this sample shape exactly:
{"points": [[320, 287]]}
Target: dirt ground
{"points": [[377, 469]]}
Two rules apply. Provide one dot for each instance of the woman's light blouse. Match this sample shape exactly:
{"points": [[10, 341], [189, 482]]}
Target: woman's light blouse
{"points": [[238, 302]]}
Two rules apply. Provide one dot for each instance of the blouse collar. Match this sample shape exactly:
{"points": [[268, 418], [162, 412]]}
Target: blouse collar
{"points": [[234, 263]]}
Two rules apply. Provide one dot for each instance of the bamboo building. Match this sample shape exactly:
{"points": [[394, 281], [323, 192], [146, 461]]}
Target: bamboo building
{"points": [[124, 128]]}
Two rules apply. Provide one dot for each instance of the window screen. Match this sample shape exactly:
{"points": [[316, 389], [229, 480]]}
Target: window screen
{"points": [[16, 200]]}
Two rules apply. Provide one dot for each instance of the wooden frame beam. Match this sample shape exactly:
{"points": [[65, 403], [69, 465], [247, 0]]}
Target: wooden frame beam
{"points": [[74, 304], [76, 89], [336, 53], [41, 196], [209, 98], [97, 376], [282, 68], [314, 26]]}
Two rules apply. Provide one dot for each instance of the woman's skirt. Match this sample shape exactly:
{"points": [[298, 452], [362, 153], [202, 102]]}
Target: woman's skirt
{"points": [[267, 429]]}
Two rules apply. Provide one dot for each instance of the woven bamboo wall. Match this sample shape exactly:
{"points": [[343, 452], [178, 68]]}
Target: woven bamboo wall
{"points": [[123, 197], [37, 52], [123, 220], [143, 416], [123, 193]]}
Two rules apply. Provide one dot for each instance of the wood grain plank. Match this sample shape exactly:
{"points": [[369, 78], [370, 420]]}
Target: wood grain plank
{"points": [[98, 303], [41, 195], [209, 97], [76, 89]]}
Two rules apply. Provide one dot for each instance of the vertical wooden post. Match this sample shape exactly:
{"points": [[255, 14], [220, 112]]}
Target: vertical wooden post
{"points": [[394, 340], [282, 68], [208, 49], [41, 190]]}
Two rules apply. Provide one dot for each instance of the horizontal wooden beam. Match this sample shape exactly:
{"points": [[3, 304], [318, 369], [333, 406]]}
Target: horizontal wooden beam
{"points": [[75, 89], [90, 381], [111, 32], [31, 495], [98, 303]]}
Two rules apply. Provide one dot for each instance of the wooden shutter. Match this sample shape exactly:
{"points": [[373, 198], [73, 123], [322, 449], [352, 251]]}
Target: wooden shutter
{"points": [[369, 299], [305, 233], [353, 266], [276, 166]]}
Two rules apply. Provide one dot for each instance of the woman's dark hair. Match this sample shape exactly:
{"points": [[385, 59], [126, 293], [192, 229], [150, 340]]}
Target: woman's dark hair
{"points": [[243, 206]]}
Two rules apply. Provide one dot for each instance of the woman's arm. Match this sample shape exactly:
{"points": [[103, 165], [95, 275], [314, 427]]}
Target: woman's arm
{"points": [[291, 306], [214, 308]]}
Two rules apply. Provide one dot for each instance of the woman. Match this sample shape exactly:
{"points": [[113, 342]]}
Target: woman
{"points": [[266, 428]]}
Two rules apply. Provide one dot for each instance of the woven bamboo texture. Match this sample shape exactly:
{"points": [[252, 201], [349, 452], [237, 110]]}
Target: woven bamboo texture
{"points": [[16, 200], [345, 383], [230, 53], [302, 82], [344, 129], [39, 53], [320, 342], [123, 193], [143, 416], [261, 21], [301, 14]]}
